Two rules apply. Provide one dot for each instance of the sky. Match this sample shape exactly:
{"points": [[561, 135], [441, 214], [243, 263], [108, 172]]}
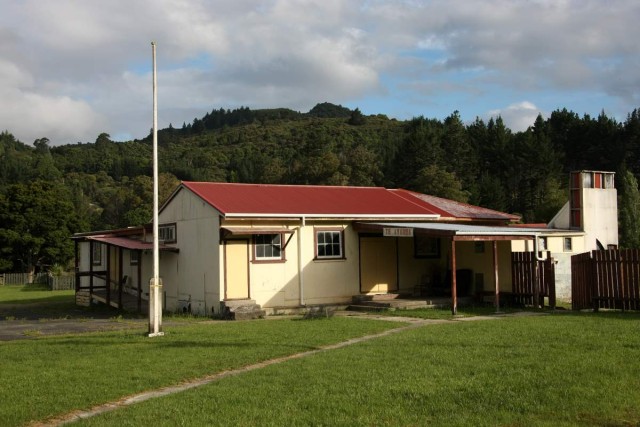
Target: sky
{"points": [[73, 69]]}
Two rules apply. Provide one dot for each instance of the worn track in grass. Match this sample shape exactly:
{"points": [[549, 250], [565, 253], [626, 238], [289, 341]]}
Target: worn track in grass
{"points": [[411, 323]]}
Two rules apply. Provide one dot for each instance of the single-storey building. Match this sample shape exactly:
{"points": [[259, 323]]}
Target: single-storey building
{"points": [[286, 247]]}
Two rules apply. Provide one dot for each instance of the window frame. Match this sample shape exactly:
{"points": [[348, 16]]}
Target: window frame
{"points": [[266, 260], [426, 246], [134, 257], [316, 243], [543, 244], [96, 253], [169, 226], [565, 247]]}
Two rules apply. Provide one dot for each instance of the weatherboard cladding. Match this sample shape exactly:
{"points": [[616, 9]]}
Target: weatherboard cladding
{"points": [[263, 199]]}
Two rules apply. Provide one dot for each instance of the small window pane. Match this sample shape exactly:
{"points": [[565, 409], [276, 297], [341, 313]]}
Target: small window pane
{"points": [[568, 244], [329, 244], [268, 246]]}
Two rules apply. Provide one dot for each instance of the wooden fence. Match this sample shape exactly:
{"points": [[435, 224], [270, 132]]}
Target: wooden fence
{"points": [[606, 279], [55, 283], [529, 273]]}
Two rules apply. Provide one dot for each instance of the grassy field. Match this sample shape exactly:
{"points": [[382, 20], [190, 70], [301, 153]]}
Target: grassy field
{"points": [[18, 302], [33, 294], [53, 375], [556, 369]]}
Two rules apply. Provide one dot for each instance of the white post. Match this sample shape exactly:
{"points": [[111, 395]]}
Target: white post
{"points": [[155, 286]]}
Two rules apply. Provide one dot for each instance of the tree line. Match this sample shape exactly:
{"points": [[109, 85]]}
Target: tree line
{"points": [[48, 193]]}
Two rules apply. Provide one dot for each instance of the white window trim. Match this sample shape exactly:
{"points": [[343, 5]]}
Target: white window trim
{"points": [[267, 258], [171, 229], [340, 233]]}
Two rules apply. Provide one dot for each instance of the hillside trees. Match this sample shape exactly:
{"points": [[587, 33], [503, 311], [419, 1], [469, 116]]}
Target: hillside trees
{"points": [[629, 209], [107, 184], [36, 220]]}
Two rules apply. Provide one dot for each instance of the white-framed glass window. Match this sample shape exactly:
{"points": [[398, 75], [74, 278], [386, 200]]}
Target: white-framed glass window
{"points": [[167, 233], [268, 247], [568, 244], [329, 244]]}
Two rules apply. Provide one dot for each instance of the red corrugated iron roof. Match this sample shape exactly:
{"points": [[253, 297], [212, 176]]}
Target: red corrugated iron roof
{"points": [[458, 210], [296, 200]]}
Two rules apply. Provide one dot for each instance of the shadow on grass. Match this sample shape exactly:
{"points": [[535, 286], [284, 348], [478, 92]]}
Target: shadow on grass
{"points": [[489, 310], [60, 310]]}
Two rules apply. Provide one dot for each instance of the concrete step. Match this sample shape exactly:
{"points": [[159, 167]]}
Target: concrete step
{"points": [[242, 310], [355, 307], [238, 303], [375, 297]]}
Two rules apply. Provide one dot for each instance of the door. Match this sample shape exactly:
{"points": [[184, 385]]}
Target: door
{"points": [[236, 269], [378, 265]]}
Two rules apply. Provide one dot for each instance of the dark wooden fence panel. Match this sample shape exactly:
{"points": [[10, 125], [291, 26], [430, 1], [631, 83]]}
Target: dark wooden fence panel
{"points": [[606, 279], [526, 272]]}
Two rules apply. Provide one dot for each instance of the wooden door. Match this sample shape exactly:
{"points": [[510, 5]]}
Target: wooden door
{"points": [[236, 269], [378, 265]]}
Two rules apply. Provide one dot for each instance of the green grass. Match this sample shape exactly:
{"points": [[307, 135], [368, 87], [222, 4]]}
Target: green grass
{"points": [[29, 294], [557, 370], [46, 376], [561, 369], [445, 313]]}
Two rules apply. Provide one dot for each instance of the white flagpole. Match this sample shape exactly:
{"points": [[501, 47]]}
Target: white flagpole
{"points": [[155, 287]]}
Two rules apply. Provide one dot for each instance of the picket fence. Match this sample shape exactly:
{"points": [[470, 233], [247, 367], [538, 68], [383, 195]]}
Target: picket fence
{"points": [[55, 283]]}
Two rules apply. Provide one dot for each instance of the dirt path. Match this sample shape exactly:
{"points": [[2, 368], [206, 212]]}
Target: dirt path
{"points": [[411, 323]]}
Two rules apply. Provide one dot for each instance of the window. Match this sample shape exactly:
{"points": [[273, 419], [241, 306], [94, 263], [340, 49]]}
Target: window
{"points": [[426, 247], [329, 244], [542, 244], [268, 247], [568, 244], [478, 247], [167, 233], [134, 257], [96, 253]]}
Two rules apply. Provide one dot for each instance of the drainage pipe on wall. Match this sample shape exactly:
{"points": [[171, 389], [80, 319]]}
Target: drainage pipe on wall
{"points": [[536, 286], [303, 222]]}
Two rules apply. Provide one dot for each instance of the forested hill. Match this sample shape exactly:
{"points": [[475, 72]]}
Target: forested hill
{"points": [[107, 184]]}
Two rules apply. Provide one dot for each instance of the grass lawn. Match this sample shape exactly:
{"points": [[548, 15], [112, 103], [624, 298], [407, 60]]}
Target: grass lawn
{"points": [[556, 370], [52, 375], [19, 302], [30, 294]]}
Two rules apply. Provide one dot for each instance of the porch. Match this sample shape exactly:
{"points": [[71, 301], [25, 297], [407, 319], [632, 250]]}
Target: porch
{"points": [[480, 256], [120, 300], [110, 269]]}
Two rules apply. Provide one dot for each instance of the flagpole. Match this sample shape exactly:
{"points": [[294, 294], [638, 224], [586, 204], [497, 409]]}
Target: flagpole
{"points": [[155, 287]]}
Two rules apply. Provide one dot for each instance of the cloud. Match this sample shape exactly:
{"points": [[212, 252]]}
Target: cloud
{"points": [[86, 64], [519, 116]]}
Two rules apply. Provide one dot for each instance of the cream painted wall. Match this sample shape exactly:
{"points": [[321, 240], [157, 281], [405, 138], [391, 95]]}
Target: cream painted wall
{"points": [[482, 263], [418, 271], [555, 243], [330, 281], [277, 284], [600, 216], [193, 274]]}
